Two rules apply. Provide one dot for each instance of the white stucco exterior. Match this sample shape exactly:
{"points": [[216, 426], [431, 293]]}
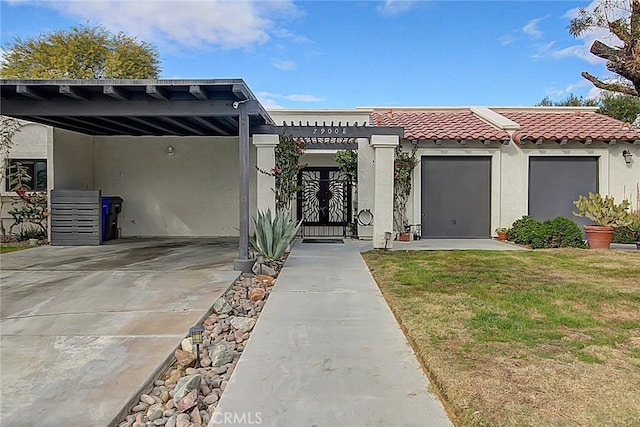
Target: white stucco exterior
{"points": [[188, 186]]}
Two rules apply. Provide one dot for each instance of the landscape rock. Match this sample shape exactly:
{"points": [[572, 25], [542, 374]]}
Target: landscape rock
{"points": [[188, 401], [185, 358], [185, 385], [221, 354], [155, 412], [147, 399], [222, 306], [256, 294], [210, 398], [195, 416], [187, 345], [183, 420], [265, 279], [263, 269], [243, 324]]}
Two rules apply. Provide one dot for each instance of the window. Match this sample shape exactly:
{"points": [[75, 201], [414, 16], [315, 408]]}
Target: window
{"points": [[35, 168]]}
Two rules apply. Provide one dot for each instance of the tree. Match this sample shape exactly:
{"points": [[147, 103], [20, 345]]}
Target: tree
{"points": [[84, 52], [616, 105], [570, 101], [623, 60], [8, 127]]}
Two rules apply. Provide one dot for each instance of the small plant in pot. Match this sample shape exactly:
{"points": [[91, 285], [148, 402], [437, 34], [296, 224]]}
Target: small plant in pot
{"points": [[605, 214], [502, 233]]}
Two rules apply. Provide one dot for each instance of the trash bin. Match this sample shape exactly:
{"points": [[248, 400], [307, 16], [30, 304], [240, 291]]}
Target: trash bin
{"points": [[111, 207]]}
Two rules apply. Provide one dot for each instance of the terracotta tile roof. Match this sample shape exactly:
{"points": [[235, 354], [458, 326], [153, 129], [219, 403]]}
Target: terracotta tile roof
{"points": [[438, 125], [579, 126]]}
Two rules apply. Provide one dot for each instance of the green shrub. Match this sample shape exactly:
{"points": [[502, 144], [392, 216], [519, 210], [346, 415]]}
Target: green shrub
{"points": [[623, 235], [562, 232], [523, 230], [559, 232]]}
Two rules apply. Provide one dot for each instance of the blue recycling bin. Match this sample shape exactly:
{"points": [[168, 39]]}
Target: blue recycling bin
{"points": [[111, 207]]}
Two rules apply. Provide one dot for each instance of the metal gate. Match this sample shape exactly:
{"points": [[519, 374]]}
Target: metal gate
{"points": [[324, 202]]}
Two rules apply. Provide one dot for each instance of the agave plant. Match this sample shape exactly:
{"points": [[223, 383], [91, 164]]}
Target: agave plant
{"points": [[273, 234]]}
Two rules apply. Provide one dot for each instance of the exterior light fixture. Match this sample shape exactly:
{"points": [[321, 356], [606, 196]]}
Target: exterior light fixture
{"points": [[170, 150], [414, 142], [627, 156], [387, 238], [196, 338]]}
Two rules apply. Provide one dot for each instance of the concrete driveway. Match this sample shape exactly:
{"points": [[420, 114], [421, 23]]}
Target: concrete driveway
{"points": [[83, 328]]}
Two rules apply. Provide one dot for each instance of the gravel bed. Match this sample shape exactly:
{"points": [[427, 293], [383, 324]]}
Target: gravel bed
{"points": [[186, 396]]}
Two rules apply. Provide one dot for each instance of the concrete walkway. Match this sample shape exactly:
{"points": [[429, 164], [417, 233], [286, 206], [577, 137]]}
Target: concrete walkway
{"points": [[327, 351], [84, 328]]}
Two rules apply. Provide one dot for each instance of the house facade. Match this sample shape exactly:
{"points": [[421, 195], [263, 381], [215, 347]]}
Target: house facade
{"points": [[479, 168]]}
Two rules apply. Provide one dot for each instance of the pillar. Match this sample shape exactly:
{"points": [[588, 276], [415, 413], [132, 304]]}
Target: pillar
{"points": [[384, 147], [266, 160], [366, 178]]}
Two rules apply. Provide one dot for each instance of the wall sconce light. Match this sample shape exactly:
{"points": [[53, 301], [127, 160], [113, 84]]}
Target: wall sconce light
{"points": [[196, 338], [170, 150], [414, 142], [627, 156]]}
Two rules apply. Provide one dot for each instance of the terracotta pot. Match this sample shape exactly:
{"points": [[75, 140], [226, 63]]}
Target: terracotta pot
{"points": [[404, 237], [598, 236], [502, 235]]}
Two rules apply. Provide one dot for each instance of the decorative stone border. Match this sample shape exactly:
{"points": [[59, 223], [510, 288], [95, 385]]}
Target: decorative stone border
{"points": [[183, 396]]}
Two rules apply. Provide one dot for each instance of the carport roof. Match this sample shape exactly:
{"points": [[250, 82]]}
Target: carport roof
{"points": [[134, 107]]}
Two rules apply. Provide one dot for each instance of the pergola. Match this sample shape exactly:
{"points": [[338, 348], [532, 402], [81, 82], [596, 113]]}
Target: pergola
{"points": [[218, 107]]}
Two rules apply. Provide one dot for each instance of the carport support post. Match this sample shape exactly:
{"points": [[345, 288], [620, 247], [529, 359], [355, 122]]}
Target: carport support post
{"points": [[243, 263], [266, 160], [384, 147]]}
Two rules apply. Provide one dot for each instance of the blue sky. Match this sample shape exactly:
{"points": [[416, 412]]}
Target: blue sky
{"points": [[343, 54]]}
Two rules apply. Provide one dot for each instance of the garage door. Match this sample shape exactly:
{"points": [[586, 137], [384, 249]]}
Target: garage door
{"points": [[555, 182], [456, 197]]}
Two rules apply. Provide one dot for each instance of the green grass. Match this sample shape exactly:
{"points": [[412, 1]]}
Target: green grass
{"points": [[468, 312], [7, 249]]}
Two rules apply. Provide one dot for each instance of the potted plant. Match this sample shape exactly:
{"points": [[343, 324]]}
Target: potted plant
{"points": [[605, 214], [403, 166], [502, 233]]}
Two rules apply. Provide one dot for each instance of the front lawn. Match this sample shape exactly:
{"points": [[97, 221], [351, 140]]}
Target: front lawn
{"points": [[547, 337]]}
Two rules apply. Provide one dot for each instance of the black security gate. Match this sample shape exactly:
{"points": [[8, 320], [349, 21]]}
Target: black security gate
{"points": [[324, 202]]}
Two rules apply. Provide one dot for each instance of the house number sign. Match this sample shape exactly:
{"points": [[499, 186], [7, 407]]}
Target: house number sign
{"points": [[330, 131]]}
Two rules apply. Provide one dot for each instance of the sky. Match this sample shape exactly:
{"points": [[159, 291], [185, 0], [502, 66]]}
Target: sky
{"points": [[346, 54]]}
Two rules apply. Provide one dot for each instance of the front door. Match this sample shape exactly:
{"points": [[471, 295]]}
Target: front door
{"points": [[324, 201]]}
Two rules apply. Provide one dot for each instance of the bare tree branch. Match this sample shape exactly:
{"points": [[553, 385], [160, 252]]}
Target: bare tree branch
{"points": [[613, 87]]}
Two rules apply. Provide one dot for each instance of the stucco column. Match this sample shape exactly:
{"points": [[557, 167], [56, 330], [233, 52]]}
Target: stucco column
{"points": [[384, 147], [265, 160], [366, 178]]}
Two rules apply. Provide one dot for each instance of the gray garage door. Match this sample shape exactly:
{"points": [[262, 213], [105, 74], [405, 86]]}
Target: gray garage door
{"points": [[456, 197], [555, 182]]}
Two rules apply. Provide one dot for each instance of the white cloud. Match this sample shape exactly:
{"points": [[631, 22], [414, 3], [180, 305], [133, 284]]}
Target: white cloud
{"points": [[531, 28], [582, 49], [285, 65], [187, 23], [270, 99], [395, 7], [542, 51], [507, 39]]}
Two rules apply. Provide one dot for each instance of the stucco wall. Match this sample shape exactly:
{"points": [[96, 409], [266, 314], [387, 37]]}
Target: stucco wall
{"points": [[31, 142], [194, 192], [510, 173], [72, 160]]}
